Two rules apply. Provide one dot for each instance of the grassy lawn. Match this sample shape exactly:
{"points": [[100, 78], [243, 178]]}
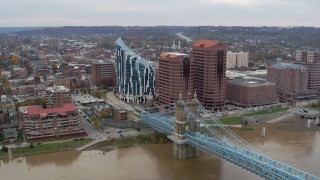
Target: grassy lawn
{"points": [[45, 148], [227, 121], [231, 120], [59, 139], [267, 112]]}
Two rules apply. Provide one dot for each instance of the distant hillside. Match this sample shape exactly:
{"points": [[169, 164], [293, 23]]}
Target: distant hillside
{"points": [[8, 30], [106, 30]]}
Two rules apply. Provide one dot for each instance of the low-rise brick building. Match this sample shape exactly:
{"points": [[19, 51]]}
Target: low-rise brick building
{"points": [[251, 92], [24, 91]]}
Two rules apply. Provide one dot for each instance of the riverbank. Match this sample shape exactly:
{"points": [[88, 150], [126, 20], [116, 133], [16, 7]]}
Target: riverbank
{"points": [[49, 147], [128, 141]]}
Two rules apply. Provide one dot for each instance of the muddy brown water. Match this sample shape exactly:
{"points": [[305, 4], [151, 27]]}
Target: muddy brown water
{"points": [[300, 149]]}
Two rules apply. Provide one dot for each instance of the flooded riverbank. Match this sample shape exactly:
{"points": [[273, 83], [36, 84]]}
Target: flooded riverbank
{"points": [[300, 149]]}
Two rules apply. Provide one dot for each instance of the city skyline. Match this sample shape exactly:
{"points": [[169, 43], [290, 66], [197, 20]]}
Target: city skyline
{"points": [[154, 13]]}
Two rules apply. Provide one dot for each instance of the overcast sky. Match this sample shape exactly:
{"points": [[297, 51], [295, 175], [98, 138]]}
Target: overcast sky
{"points": [[159, 12]]}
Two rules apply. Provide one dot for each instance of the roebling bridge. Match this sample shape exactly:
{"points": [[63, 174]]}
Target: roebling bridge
{"points": [[190, 133]]}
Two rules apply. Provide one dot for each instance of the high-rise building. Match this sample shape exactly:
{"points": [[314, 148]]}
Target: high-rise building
{"points": [[135, 75], [251, 92], [209, 72], [311, 60], [237, 59], [307, 56], [57, 96], [291, 81], [103, 72], [174, 77], [313, 76], [53, 42]]}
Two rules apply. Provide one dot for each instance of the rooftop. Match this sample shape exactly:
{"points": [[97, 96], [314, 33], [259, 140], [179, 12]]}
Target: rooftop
{"points": [[38, 110], [39, 62], [171, 55], [281, 65], [206, 43], [249, 81], [10, 133], [132, 54], [101, 62], [58, 89]]}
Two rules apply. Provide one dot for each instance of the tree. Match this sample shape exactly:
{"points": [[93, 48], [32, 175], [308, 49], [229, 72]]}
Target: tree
{"points": [[1, 137], [45, 78], [4, 79], [96, 121], [7, 88], [93, 118], [4, 149], [6, 84], [103, 113], [107, 43], [15, 59], [38, 101], [55, 67]]}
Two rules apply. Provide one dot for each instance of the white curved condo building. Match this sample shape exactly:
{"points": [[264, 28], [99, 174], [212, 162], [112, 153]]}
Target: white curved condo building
{"points": [[135, 75]]}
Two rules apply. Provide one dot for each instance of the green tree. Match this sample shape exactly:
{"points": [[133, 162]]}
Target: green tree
{"points": [[45, 78], [94, 118], [55, 67], [96, 121], [6, 84], [1, 137], [4, 79], [103, 114], [4, 149], [20, 135], [37, 101]]}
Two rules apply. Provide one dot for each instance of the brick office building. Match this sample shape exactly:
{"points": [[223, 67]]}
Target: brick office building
{"points": [[311, 60], [291, 81], [251, 92], [174, 77], [103, 72], [24, 91], [208, 72]]}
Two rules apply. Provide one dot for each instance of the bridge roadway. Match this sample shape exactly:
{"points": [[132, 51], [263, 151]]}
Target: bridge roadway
{"points": [[211, 141]]}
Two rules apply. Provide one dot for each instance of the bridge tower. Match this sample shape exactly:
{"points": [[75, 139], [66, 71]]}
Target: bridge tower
{"points": [[181, 150]]}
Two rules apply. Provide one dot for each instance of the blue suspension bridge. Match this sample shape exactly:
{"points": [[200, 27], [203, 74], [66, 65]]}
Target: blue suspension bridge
{"points": [[189, 132]]}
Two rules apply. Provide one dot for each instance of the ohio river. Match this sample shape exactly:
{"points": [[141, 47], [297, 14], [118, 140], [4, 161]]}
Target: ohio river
{"points": [[300, 149]]}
